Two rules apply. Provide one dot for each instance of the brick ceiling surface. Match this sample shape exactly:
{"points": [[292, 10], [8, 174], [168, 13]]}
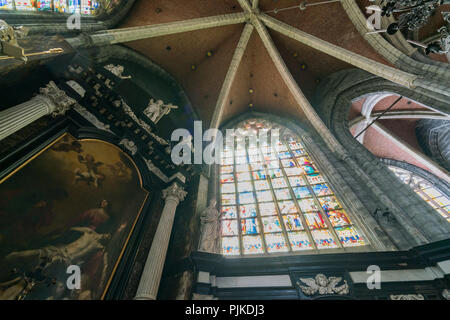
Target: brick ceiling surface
{"points": [[178, 53]]}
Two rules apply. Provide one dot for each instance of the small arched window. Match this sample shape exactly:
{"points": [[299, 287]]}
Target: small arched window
{"points": [[85, 7], [273, 202], [425, 189]]}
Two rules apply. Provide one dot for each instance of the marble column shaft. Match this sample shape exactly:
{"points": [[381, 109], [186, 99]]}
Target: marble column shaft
{"points": [[151, 275], [50, 100]]}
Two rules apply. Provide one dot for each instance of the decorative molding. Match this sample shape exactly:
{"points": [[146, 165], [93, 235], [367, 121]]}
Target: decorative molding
{"points": [[407, 297], [76, 87], [323, 286], [151, 166], [129, 145], [126, 108], [91, 118]]}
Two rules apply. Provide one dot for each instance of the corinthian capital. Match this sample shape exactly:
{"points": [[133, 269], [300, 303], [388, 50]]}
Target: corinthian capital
{"points": [[57, 100], [174, 191]]}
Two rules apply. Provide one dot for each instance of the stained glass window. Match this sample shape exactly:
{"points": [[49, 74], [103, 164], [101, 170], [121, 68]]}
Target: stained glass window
{"points": [[275, 199], [84, 7], [425, 189]]}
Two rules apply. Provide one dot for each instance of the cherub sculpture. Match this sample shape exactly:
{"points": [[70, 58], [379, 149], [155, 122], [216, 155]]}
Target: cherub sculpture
{"points": [[323, 285]]}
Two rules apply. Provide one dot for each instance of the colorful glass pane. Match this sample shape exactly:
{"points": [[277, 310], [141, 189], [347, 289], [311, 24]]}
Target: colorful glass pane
{"points": [[293, 171], [273, 164], [267, 209], [293, 222], [349, 237], [25, 5], [259, 175], [338, 218], [227, 188], [228, 198], [282, 194], [315, 178], [6, 4], [299, 153], [275, 242], [299, 241], [275, 173], [228, 212], [308, 205], [245, 186], [247, 211], [323, 239], [329, 203], [226, 169], [288, 163], [264, 196], [242, 160], [257, 166], [261, 185], [279, 183], [229, 227], [249, 226], [226, 178], [44, 5], [246, 197], [315, 221], [252, 244], [230, 245], [287, 207], [243, 176], [271, 224], [302, 192], [284, 155], [297, 181], [321, 190], [242, 168]]}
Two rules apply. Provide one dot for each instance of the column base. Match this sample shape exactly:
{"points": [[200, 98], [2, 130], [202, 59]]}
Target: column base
{"points": [[145, 297]]}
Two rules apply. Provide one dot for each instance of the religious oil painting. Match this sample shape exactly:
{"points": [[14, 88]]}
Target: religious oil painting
{"points": [[73, 204]]}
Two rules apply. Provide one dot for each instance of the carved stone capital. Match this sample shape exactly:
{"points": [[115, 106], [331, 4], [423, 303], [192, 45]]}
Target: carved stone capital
{"points": [[57, 100], [174, 191]]}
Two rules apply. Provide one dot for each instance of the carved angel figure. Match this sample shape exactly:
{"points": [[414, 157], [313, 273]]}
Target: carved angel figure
{"points": [[156, 110], [323, 285], [117, 70]]}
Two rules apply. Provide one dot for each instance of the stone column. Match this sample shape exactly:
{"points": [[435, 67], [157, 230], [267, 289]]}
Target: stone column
{"points": [[114, 36], [151, 276], [50, 100]]}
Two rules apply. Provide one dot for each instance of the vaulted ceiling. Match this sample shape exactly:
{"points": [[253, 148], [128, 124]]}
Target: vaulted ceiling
{"points": [[258, 85]]}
